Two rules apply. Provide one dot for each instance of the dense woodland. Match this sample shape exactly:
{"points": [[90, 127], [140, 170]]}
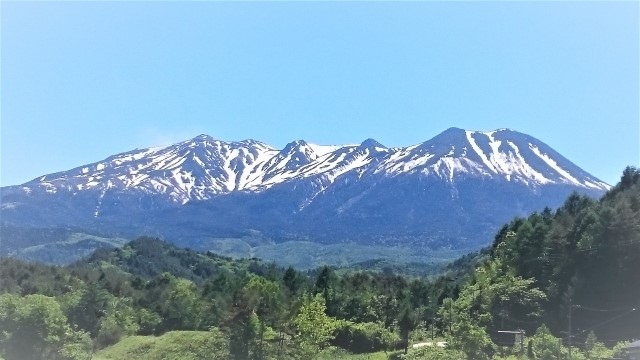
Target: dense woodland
{"points": [[567, 279]]}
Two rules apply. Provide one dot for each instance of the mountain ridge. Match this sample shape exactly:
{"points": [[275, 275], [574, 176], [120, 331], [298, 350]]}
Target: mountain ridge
{"points": [[251, 165], [451, 191]]}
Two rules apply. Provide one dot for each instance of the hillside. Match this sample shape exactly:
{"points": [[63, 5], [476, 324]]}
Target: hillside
{"points": [[148, 258], [586, 259], [565, 277], [174, 345]]}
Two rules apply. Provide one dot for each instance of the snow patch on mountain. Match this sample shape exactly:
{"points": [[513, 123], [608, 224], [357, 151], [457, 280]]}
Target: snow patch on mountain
{"points": [[479, 152]]}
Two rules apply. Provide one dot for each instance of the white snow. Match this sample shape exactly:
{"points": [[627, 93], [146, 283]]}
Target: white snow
{"points": [[403, 161], [252, 174], [50, 188], [478, 151], [96, 213], [358, 162], [415, 162], [6, 206], [554, 165], [451, 166], [520, 166], [498, 159], [323, 149]]}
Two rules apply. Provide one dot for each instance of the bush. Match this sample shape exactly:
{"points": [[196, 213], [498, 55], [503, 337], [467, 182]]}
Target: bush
{"points": [[365, 337]]}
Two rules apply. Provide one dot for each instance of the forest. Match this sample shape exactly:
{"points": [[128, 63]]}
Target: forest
{"points": [[559, 284]]}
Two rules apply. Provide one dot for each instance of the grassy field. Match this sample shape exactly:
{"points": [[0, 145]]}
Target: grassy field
{"points": [[333, 354], [174, 345], [196, 345]]}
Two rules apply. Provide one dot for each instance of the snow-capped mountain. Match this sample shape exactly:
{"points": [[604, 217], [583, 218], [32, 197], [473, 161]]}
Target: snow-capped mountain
{"points": [[502, 153], [452, 190], [203, 167]]}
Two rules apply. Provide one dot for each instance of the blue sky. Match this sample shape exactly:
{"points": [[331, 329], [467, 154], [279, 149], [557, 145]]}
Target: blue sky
{"points": [[83, 80]]}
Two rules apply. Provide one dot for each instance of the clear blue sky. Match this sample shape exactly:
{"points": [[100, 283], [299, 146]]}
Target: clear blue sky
{"points": [[84, 80]]}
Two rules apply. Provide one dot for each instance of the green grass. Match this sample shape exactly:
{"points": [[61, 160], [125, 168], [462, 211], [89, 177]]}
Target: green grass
{"points": [[174, 345], [338, 354], [198, 345]]}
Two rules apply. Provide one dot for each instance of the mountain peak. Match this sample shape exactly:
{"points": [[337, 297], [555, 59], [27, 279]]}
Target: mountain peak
{"points": [[203, 137], [452, 135], [371, 143], [294, 145]]}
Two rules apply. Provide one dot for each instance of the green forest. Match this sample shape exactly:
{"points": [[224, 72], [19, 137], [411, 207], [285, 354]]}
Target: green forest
{"points": [[558, 284]]}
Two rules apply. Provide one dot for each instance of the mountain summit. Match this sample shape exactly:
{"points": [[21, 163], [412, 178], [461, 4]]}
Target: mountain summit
{"points": [[452, 190]]}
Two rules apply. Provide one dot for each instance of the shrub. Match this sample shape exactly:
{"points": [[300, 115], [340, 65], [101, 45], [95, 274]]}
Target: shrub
{"points": [[365, 337]]}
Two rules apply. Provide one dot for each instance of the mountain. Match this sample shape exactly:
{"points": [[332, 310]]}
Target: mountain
{"points": [[452, 191]]}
